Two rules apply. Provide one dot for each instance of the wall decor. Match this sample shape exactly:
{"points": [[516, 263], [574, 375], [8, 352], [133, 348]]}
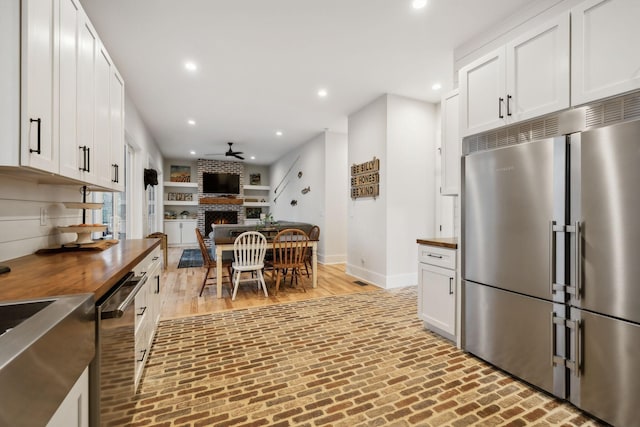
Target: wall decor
{"points": [[299, 174], [285, 175], [254, 179], [294, 202], [180, 173], [365, 179], [306, 190], [180, 197]]}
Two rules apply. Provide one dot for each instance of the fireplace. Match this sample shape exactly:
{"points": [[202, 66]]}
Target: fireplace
{"points": [[219, 217]]}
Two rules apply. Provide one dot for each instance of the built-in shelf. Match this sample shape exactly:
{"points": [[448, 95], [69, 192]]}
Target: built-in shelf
{"points": [[255, 204], [180, 203], [180, 184], [256, 187]]}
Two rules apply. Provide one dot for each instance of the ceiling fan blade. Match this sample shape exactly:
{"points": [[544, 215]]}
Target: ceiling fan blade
{"points": [[238, 157]]}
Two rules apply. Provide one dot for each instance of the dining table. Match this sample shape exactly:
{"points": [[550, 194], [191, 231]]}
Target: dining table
{"points": [[223, 244]]}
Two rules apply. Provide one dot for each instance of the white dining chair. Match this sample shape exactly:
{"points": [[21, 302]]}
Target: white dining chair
{"points": [[248, 250]]}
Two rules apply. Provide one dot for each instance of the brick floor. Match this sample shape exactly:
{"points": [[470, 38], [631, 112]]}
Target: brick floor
{"points": [[353, 360]]}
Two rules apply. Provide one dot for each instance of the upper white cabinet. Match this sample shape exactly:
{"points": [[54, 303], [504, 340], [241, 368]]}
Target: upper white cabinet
{"points": [[450, 144], [526, 78], [71, 97], [39, 149], [604, 56]]}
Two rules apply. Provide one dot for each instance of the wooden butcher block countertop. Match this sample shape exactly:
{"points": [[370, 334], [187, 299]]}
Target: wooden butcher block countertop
{"points": [[68, 273], [443, 242]]}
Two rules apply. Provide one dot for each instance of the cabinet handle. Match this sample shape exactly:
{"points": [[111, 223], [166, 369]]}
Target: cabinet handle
{"points": [[157, 284], [435, 256], [450, 285], [31, 150], [500, 101], [88, 159], [508, 105], [144, 352], [85, 158], [142, 310], [115, 172]]}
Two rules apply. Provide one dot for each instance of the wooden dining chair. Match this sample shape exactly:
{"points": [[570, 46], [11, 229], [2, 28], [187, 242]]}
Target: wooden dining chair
{"points": [[208, 262], [248, 250], [289, 250]]}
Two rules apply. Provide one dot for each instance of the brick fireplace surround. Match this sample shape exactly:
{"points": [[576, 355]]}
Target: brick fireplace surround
{"points": [[220, 166]]}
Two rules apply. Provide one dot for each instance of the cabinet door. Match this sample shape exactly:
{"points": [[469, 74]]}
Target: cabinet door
{"points": [[87, 49], [450, 144], [604, 55], [173, 230], [437, 300], [482, 93], [116, 105], [189, 232], [74, 409], [68, 80], [538, 71], [102, 118], [38, 147]]}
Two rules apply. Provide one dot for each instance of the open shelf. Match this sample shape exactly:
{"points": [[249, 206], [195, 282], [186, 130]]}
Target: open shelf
{"points": [[257, 187], [255, 204], [180, 203], [180, 184]]}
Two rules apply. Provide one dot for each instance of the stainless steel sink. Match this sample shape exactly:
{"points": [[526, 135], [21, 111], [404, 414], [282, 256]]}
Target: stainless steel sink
{"points": [[45, 345]]}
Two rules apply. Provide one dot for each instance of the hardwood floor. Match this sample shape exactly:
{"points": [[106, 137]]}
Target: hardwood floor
{"points": [[182, 286]]}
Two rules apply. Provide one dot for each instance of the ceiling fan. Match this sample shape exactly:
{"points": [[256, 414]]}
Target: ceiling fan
{"points": [[229, 153]]}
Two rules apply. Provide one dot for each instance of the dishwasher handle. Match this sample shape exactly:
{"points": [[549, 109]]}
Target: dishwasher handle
{"points": [[133, 286]]}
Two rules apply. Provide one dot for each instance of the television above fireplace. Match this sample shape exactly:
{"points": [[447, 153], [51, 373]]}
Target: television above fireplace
{"points": [[221, 183]]}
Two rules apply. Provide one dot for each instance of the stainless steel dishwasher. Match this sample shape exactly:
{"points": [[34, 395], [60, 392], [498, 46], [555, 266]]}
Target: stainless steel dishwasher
{"points": [[113, 369]]}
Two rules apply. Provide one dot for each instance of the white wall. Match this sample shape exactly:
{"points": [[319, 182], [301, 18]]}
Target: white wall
{"points": [[137, 135], [382, 232], [367, 230], [411, 195], [20, 205], [322, 162], [334, 237]]}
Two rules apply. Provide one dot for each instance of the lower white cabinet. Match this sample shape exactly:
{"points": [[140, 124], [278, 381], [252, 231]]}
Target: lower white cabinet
{"points": [[74, 409], [437, 289], [148, 303], [181, 232]]}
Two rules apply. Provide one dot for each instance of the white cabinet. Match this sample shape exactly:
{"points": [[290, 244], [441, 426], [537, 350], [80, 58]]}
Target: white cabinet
{"points": [[74, 409], [437, 289], [148, 303], [109, 123], [181, 231], [604, 55], [39, 148], [66, 99], [526, 78], [450, 159]]}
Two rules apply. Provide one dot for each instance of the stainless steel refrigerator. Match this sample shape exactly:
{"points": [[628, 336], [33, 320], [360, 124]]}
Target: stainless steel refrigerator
{"points": [[551, 266]]}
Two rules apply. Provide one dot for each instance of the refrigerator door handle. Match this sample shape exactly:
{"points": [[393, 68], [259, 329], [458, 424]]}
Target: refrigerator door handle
{"points": [[574, 365], [578, 264], [555, 359], [552, 257]]}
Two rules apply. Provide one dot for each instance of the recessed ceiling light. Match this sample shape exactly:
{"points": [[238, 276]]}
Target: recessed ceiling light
{"points": [[191, 122], [419, 4], [191, 66], [192, 152], [279, 133], [322, 93], [253, 157], [436, 86]]}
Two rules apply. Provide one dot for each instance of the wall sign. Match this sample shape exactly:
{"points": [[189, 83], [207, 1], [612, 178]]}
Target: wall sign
{"points": [[365, 179]]}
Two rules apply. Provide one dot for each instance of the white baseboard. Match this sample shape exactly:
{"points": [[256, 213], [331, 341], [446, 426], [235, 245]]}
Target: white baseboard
{"points": [[382, 281]]}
